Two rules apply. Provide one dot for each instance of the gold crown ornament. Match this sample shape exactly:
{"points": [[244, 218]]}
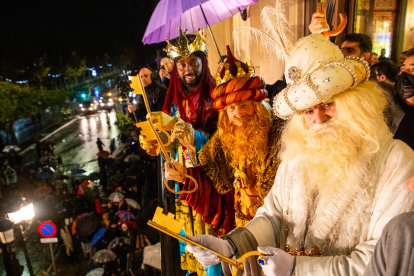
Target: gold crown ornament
{"points": [[184, 47], [234, 68]]}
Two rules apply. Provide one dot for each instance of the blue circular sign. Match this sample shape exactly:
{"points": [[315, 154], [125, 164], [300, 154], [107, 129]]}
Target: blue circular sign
{"points": [[47, 229]]}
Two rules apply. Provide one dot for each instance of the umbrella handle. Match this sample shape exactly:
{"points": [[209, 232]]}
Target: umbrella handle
{"points": [[183, 192]]}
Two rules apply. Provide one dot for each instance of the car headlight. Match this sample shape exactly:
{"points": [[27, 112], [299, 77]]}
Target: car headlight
{"points": [[81, 105], [90, 108], [102, 104], [109, 104], [83, 109]]}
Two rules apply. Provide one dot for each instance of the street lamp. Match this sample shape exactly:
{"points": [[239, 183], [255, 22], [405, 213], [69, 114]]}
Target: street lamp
{"points": [[22, 212]]}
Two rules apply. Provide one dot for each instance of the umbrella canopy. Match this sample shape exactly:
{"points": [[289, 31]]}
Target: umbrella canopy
{"points": [[98, 236], [170, 14], [116, 197], [11, 148], [103, 154], [133, 203], [77, 171], [132, 158], [45, 173], [124, 214], [94, 176], [104, 256], [42, 192], [109, 161], [96, 272], [86, 224], [114, 242]]}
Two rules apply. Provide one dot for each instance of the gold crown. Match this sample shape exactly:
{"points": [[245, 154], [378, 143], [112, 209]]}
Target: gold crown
{"points": [[184, 48], [240, 72]]}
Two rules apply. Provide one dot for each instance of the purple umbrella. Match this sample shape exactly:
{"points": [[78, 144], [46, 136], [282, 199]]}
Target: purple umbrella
{"points": [[190, 15]]}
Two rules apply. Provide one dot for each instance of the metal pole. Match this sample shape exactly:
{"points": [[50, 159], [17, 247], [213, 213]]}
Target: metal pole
{"points": [[211, 33], [26, 253], [53, 257]]}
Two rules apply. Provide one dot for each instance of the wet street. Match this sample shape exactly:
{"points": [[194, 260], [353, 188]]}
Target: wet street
{"points": [[76, 143]]}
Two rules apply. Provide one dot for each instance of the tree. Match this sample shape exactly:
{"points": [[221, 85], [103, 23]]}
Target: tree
{"points": [[21, 101], [39, 73], [75, 68], [17, 102]]}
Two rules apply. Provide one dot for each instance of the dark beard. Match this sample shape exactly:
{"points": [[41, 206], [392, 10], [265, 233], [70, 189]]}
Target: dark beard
{"points": [[190, 85]]}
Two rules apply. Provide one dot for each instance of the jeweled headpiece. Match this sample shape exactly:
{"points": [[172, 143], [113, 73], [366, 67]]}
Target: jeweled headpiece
{"points": [[234, 68], [315, 72], [237, 82], [184, 47]]}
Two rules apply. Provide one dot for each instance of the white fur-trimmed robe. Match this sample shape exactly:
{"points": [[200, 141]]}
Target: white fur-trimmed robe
{"points": [[389, 198]]}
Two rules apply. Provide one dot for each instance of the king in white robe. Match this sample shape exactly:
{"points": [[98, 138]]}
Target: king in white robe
{"points": [[344, 230]]}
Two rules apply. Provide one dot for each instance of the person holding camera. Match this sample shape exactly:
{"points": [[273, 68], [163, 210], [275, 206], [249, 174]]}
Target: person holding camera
{"points": [[165, 71]]}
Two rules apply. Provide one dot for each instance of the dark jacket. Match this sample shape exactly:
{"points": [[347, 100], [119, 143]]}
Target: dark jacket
{"points": [[405, 89], [156, 96]]}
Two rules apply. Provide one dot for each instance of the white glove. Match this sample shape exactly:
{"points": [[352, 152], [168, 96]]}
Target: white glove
{"points": [[205, 256], [278, 263], [175, 171]]}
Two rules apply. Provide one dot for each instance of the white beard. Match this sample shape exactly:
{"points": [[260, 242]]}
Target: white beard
{"points": [[330, 192]]}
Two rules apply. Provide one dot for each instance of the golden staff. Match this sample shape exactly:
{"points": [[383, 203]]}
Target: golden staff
{"points": [[162, 122], [168, 225]]}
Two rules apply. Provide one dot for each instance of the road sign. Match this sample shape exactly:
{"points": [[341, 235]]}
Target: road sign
{"points": [[47, 229], [49, 240]]}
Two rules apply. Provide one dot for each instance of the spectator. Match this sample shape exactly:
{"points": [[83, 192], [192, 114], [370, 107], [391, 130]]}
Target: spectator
{"points": [[67, 239], [357, 45], [221, 62], [165, 71], [121, 251], [403, 56], [405, 97], [386, 73], [112, 146], [155, 94], [374, 59], [382, 56], [11, 176], [99, 144]]}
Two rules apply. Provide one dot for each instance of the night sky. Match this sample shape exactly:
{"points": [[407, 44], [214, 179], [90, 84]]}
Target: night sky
{"points": [[31, 29]]}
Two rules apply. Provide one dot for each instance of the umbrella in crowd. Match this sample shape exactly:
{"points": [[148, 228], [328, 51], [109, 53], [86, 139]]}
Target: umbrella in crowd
{"points": [[103, 154], [11, 148], [42, 192], [98, 236], [109, 161], [77, 171], [132, 158], [45, 173], [96, 272], [94, 176], [116, 197], [114, 242], [133, 203], [124, 215], [86, 224], [104, 256]]}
